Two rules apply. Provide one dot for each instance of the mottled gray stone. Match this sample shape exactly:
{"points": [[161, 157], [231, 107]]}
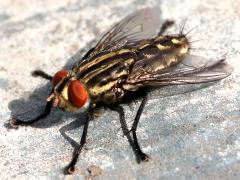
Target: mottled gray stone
{"points": [[194, 135]]}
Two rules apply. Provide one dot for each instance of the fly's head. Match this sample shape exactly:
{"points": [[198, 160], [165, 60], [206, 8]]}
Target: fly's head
{"points": [[69, 93], [177, 43]]}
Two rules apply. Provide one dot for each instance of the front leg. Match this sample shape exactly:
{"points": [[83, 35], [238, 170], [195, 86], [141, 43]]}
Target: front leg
{"points": [[71, 166], [42, 74], [14, 123]]}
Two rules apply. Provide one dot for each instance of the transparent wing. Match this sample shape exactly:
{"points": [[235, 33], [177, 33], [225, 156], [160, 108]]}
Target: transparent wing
{"points": [[166, 91], [142, 24], [192, 70]]}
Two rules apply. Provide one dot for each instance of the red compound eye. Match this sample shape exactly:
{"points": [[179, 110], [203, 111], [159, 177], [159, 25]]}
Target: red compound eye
{"points": [[77, 95], [59, 76]]}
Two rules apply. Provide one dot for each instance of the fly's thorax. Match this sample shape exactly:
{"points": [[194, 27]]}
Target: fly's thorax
{"points": [[69, 93], [175, 44], [101, 75]]}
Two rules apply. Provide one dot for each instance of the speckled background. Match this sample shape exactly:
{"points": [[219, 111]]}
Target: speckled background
{"points": [[194, 135]]}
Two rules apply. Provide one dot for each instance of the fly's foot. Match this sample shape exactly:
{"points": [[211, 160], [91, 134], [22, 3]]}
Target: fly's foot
{"points": [[69, 170], [143, 157], [13, 123], [97, 113]]}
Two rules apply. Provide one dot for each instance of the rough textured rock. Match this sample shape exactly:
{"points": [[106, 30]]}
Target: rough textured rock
{"points": [[193, 135]]}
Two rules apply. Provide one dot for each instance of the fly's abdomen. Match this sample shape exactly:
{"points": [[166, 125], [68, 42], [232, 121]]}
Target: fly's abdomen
{"points": [[157, 56], [153, 58]]}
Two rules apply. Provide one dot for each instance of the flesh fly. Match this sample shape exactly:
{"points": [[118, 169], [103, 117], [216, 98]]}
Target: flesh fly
{"points": [[130, 58]]}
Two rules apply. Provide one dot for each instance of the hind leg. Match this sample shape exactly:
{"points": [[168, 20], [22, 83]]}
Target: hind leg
{"points": [[167, 24]]}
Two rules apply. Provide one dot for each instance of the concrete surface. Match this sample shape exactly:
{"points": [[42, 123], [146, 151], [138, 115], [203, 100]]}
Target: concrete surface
{"points": [[195, 135]]}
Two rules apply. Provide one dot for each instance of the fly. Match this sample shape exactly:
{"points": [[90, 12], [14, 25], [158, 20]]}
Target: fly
{"points": [[130, 58]]}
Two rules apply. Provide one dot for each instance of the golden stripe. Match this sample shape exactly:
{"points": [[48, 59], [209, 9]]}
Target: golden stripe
{"points": [[143, 46], [96, 90], [84, 67], [99, 70], [161, 47]]}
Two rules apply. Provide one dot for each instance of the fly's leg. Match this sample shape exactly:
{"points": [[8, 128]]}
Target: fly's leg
{"points": [[17, 122], [42, 74], [141, 155], [165, 26], [133, 141], [71, 166], [125, 129]]}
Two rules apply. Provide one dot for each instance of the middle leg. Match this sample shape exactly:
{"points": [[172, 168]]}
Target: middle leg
{"points": [[71, 166], [141, 154]]}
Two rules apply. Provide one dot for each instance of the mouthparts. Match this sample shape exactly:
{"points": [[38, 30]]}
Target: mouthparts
{"points": [[56, 99]]}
